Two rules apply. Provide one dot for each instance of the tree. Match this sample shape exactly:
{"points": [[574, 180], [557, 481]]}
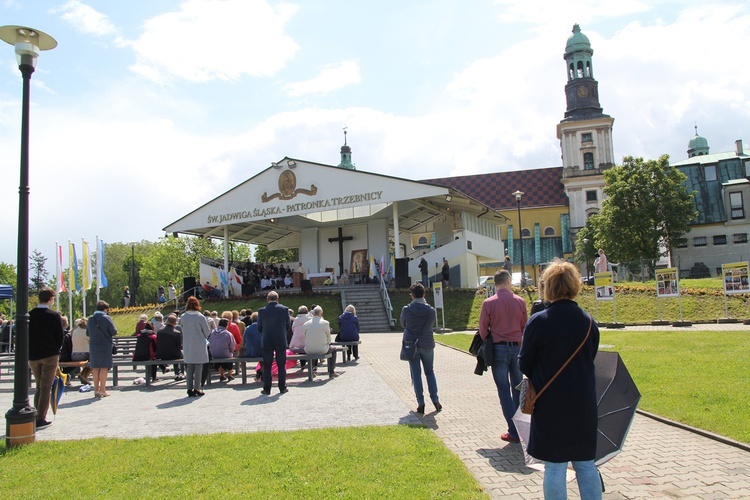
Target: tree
{"points": [[263, 254], [647, 211], [7, 277], [172, 259], [39, 275], [8, 274]]}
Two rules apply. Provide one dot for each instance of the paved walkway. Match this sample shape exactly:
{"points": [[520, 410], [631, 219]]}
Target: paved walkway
{"points": [[659, 460]]}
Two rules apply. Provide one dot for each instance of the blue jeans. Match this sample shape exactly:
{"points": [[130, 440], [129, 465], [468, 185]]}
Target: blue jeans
{"points": [[587, 476], [425, 281], [507, 376], [427, 358]]}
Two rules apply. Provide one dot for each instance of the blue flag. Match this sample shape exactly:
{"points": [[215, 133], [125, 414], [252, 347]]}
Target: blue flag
{"points": [[100, 278]]}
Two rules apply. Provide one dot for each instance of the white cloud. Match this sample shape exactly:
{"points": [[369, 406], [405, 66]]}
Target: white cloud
{"points": [[86, 19], [331, 77], [215, 40], [546, 14]]}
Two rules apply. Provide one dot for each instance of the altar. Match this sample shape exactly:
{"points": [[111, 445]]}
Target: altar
{"points": [[318, 279]]}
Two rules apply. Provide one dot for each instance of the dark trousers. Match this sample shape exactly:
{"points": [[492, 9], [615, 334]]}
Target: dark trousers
{"points": [[352, 349], [268, 357], [331, 361]]}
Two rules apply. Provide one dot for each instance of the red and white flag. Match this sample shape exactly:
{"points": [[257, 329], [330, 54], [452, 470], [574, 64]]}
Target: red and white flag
{"points": [[59, 275]]}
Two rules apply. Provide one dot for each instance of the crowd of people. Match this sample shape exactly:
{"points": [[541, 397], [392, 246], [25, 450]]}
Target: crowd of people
{"points": [[563, 425], [193, 336]]}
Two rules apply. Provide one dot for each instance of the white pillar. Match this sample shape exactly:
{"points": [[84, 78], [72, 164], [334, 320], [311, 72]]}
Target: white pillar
{"points": [[396, 240]]}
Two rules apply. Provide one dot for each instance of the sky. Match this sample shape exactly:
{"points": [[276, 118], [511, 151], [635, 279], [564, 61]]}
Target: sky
{"points": [[147, 109]]}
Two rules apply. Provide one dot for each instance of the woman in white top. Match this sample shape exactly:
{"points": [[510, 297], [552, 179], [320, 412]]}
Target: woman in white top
{"points": [[80, 350], [297, 343]]}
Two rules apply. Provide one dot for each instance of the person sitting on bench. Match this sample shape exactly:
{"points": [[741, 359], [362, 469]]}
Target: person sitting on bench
{"points": [[318, 339]]}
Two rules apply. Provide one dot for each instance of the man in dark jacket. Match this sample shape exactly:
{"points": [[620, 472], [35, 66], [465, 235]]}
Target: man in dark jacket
{"points": [[45, 340], [424, 271], [418, 318], [274, 325], [169, 345]]}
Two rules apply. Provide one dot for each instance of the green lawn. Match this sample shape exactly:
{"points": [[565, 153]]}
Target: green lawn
{"points": [[636, 303], [374, 462], [698, 378]]}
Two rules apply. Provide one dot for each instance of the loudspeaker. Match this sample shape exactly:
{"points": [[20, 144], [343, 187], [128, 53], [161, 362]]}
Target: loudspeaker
{"points": [[188, 287], [248, 289], [402, 273], [306, 286]]}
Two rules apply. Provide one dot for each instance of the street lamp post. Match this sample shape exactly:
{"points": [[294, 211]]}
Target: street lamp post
{"points": [[20, 426], [518, 195]]}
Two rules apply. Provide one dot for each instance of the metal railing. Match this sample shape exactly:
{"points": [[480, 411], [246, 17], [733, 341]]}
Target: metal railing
{"points": [[387, 303]]}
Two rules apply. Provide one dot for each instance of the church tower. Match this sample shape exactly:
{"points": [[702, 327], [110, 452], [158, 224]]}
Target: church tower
{"points": [[698, 146], [585, 133], [346, 156]]}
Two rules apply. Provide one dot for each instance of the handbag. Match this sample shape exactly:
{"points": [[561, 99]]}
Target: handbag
{"points": [[114, 346], [408, 349], [529, 394]]}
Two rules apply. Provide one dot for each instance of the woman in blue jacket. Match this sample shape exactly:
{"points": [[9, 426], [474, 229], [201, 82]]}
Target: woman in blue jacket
{"points": [[417, 319], [349, 331]]}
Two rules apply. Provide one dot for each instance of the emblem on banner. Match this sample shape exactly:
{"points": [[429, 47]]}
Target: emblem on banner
{"points": [[288, 188]]}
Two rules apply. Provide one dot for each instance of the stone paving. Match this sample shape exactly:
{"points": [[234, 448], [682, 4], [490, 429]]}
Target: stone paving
{"points": [[659, 460]]}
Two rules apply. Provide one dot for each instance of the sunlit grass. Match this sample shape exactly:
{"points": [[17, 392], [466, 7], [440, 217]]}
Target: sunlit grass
{"points": [[699, 378], [373, 462]]}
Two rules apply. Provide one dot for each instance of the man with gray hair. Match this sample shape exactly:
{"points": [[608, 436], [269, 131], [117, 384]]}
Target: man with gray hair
{"points": [[318, 338]]}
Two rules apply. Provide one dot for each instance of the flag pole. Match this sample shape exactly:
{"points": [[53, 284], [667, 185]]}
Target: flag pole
{"points": [[98, 269], [71, 277], [86, 268], [57, 276]]}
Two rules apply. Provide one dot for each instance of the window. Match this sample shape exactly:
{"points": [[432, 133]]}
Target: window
{"points": [[525, 233], [739, 238], [682, 243], [736, 205], [720, 239], [586, 137], [422, 240], [591, 196], [549, 231], [588, 161], [700, 241], [710, 172]]}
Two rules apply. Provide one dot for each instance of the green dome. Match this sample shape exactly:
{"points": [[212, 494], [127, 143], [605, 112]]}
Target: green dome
{"points": [[577, 41], [698, 142], [698, 145]]}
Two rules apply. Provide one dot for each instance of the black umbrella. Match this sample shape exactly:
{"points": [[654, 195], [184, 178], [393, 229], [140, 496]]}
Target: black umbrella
{"points": [[617, 399]]}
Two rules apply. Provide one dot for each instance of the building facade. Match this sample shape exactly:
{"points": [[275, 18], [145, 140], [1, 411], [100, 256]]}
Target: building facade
{"points": [[719, 233]]}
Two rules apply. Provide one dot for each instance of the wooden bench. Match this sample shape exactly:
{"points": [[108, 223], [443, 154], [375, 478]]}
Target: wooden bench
{"points": [[346, 345], [147, 364], [8, 363], [242, 362]]}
